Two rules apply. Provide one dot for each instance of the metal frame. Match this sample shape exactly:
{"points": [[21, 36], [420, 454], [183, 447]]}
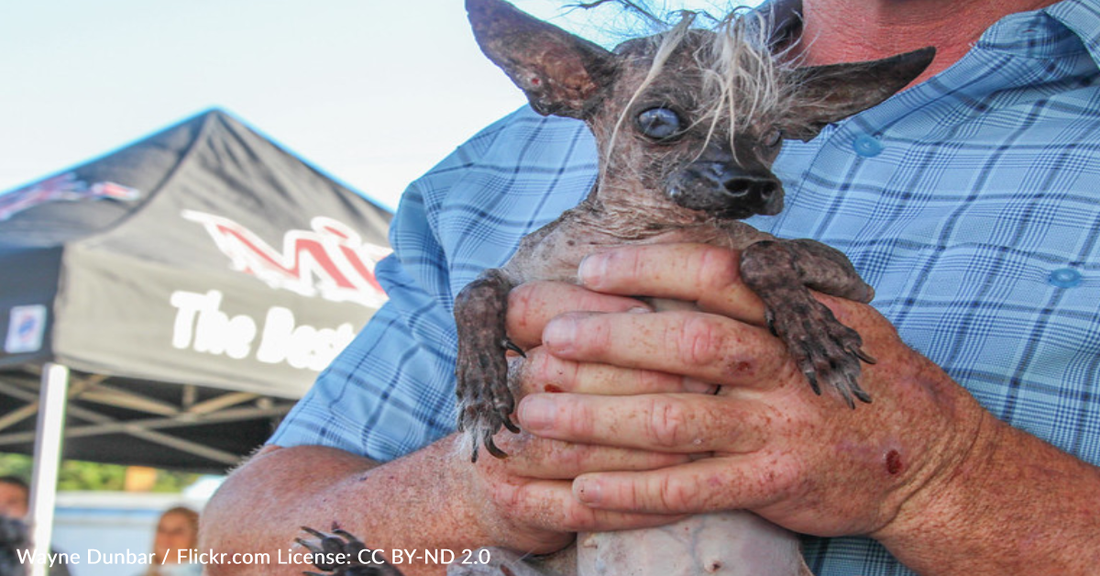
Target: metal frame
{"points": [[96, 388], [49, 399]]}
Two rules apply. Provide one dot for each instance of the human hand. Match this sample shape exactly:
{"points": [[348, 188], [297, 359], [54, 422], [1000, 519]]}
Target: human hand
{"points": [[765, 442], [530, 506]]}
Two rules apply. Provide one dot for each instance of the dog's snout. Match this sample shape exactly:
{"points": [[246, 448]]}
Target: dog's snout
{"points": [[752, 188], [763, 193], [728, 190]]}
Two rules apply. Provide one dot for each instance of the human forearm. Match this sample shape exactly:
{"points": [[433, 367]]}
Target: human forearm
{"points": [[403, 504], [1017, 505]]}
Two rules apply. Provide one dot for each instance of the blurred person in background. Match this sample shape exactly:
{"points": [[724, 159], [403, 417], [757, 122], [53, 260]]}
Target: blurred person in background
{"points": [[15, 498], [177, 531]]}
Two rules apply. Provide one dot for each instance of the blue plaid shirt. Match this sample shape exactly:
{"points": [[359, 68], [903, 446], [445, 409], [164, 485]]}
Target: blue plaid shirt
{"points": [[970, 202]]}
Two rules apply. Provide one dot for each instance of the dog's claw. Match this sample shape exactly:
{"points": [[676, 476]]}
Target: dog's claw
{"points": [[863, 355], [859, 393], [308, 545], [492, 448], [769, 320], [812, 377], [509, 345]]}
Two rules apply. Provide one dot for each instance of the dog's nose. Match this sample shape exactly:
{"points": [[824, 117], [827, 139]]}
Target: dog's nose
{"points": [[750, 186], [726, 190], [760, 192]]}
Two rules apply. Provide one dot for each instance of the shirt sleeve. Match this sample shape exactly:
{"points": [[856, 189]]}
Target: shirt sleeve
{"points": [[391, 390]]}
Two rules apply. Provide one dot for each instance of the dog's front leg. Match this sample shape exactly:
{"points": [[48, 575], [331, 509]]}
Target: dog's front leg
{"points": [[485, 403]]}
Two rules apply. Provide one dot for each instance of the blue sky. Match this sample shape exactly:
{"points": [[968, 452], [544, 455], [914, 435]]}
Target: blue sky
{"points": [[373, 92]]}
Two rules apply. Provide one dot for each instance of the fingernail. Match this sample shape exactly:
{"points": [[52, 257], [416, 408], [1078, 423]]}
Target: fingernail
{"points": [[559, 334], [537, 412], [587, 490], [592, 270]]}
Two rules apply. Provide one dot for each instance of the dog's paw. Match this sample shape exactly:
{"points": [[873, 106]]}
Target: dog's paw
{"points": [[485, 403], [342, 554], [826, 351]]}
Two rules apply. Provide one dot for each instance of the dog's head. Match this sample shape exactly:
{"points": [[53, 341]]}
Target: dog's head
{"points": [[690, 117]]}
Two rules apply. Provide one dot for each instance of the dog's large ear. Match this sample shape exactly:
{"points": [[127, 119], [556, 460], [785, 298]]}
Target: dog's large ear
{"points": [[561, 73], [826, 94]]}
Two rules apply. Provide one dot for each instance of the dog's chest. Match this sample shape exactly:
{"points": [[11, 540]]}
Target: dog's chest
{"points": [[555, 251]]}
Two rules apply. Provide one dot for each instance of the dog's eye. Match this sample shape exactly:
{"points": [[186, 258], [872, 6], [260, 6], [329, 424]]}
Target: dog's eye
{"points": [[659, 123], [772, 138]]}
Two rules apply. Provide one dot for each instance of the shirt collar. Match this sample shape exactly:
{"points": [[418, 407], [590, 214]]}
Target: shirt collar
{"points": [[1082, 19]]}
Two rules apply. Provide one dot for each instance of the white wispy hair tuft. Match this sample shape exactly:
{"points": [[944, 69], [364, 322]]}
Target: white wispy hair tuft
{"points": [[746, 81]]}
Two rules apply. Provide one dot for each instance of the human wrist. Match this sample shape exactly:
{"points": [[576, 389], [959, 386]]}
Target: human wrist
{"points": [[947, 504], [456, 482], [1014, 504], [952, 464], [423, 502]]}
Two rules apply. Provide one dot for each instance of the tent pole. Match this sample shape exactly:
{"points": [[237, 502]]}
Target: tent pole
{"points": [[47, 458]]}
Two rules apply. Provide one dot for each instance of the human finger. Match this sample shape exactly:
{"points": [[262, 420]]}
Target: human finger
{"points": [[532, 305], [541, 371], [705, 347], [676, 423], [704, 274], [535, 457], [699, 486], [550, 505]]}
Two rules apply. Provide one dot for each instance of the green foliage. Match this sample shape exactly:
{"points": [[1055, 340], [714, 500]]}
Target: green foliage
{"points": [[174, 482], [15, 465], [78, 475]]}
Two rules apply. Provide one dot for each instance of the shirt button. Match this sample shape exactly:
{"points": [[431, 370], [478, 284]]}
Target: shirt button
{"points": [[867, 146], [1065, 278]]}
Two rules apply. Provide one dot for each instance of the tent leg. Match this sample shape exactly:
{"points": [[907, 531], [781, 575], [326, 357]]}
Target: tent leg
{"points": [[47, 458]]}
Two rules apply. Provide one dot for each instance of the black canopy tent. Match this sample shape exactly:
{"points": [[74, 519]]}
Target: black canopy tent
{"points": [[194, 283]]}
